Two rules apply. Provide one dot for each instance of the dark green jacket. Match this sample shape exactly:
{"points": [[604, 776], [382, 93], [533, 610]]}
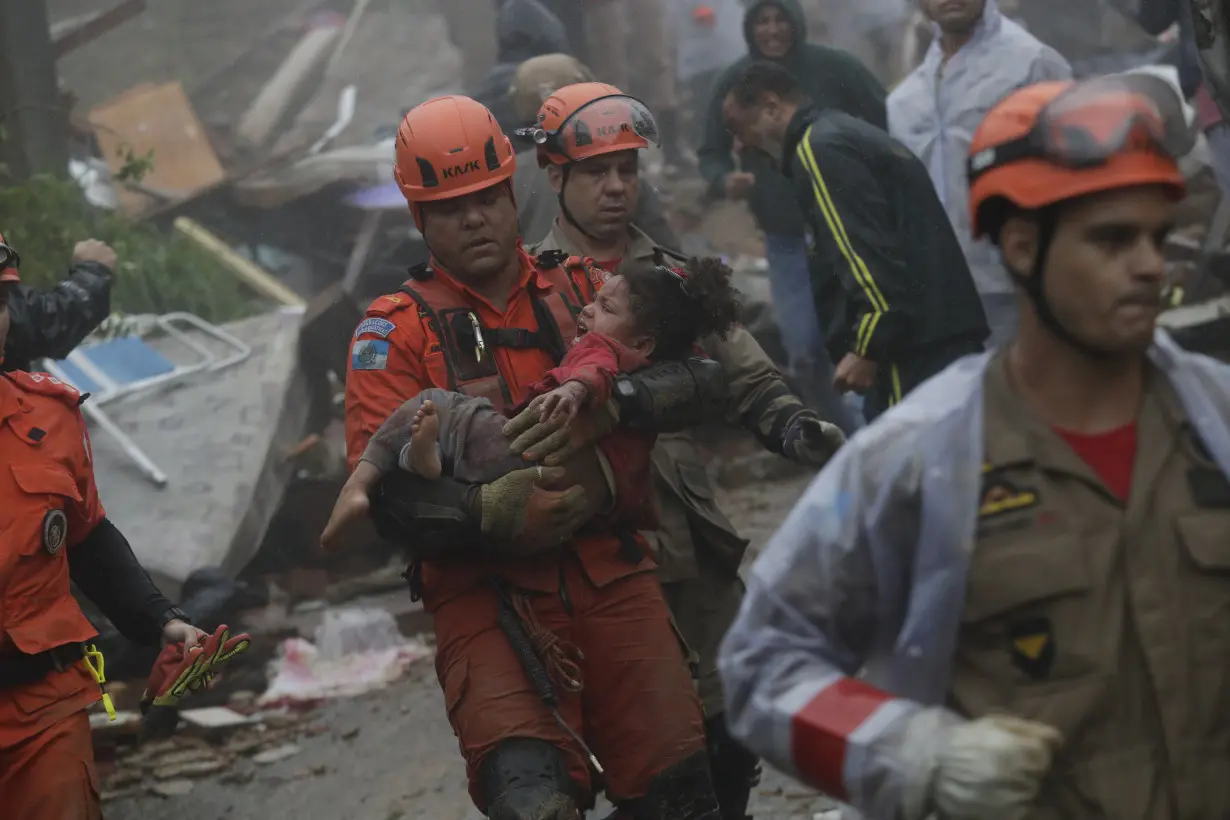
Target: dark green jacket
{"points": [[831, 79]]}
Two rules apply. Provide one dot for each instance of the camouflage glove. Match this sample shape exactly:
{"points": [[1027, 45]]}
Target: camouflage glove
{"points": [[177, 673], [518, 509], [809, 441], [554, 442]]}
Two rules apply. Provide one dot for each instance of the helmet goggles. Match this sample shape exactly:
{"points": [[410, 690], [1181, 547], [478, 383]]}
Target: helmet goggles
{"points": [[603, 126], [1094, 121]]}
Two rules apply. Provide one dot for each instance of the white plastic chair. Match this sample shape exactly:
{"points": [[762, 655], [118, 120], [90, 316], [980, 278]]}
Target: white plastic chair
{"points": [[120, 367]]}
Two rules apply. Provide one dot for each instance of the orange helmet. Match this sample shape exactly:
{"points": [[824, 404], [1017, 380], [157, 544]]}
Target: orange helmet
{"points": [[1042, 145], [449, 147], [588, 120], [8, 263], [704, 16]]}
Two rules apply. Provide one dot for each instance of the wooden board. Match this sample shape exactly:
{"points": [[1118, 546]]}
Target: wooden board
{"points": [[157, 117]]}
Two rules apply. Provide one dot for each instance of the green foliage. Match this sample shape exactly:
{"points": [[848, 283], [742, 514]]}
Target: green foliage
{"points": [[135, 168], [43, 219]]}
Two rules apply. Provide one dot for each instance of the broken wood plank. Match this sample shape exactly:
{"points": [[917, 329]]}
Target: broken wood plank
{"points": [[160, 119], [69, 35], [252, 274], [271, 103]]}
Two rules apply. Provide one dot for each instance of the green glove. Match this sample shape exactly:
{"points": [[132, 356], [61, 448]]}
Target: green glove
{"points": [[516, 508]]}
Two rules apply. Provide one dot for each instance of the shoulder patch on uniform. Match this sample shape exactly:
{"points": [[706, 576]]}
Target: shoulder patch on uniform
{"points": [[1001, 496], [44, 384], [373, 324], [389, 303], [369, 354]]}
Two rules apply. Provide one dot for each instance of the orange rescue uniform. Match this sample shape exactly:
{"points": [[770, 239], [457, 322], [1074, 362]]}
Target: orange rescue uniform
{"points": [[48, 505], [638, 708]]}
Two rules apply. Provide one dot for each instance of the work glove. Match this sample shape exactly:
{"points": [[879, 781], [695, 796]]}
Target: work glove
{"points": [[809, 441], [553, 442], [521, 509], [989, 767], [177, 672]]}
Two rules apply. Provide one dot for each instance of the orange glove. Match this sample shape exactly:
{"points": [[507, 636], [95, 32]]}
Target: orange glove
{"points": [[176, 673]]}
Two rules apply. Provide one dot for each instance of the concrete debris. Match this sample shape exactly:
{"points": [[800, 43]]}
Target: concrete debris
{"points": [[191, 769], [125, 723], [172, 788], [213, 718], [238, 778], [274, 755]]}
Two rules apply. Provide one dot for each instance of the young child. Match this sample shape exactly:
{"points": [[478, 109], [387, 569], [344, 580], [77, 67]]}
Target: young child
{"points": [[646, 314]]}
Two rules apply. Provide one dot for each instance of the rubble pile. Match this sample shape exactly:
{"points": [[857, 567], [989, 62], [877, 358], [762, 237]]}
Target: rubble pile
{"points": [[219, 742]]}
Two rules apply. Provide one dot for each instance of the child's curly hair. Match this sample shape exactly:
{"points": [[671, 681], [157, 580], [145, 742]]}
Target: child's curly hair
{"points": [[678, 306]]}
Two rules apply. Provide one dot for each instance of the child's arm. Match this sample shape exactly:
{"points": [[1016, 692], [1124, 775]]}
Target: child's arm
{"points": [[593, 363]]}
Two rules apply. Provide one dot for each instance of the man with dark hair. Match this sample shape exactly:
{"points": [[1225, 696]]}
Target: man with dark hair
{"points": [[889, 276], [776, 30]]}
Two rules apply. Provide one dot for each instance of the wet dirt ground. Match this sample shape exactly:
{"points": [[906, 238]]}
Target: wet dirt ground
{"points": [[392, 755]]}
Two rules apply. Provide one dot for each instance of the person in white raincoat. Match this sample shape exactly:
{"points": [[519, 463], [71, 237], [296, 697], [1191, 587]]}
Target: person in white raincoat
{"points": [[1030, 556], [977, 58]]}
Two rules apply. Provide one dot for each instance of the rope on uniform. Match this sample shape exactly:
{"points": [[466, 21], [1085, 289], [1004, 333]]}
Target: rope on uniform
{"points": [[561, 658]]}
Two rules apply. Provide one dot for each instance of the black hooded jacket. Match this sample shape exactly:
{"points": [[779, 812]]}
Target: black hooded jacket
{"points": [[831, 78], [524, 29], [50, 325]]}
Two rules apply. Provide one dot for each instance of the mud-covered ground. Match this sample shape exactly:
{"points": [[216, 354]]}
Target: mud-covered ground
{"points": [[392, 756]]}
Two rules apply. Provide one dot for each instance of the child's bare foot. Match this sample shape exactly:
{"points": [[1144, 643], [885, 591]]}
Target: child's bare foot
{"points": [[425, 432]]}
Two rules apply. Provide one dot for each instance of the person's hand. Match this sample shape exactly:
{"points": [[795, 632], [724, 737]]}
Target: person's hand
{"points": [[561, 405], [92, 250], [993, 767], [854, 373], [353, 504], [181, 669], [527, 509], [809, 441], [553, 443], [179, 632], [738, 183]]}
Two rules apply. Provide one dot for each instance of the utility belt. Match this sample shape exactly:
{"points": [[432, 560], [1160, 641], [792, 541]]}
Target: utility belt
{"points": [[19, 669]]}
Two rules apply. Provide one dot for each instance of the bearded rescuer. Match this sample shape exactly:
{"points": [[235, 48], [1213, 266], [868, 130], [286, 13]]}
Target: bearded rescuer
{"points": [[1046, 634], [56, 532], [889, 274], [698, 550], [486, 319]]}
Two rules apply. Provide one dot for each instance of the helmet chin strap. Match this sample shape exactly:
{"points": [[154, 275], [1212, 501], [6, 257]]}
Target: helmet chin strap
{"points": [[563, 207], [1035, 288]]}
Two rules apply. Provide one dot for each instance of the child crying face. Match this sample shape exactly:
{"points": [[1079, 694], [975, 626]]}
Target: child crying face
{"points": [[660, 311]]}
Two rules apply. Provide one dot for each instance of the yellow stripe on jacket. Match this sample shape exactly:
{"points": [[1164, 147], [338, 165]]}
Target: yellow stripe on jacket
{"points": [[879, 305]]}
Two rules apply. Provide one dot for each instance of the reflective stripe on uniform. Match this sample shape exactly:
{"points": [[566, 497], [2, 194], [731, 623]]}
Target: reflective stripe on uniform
{"points": [[879, 305], [826, 729]]}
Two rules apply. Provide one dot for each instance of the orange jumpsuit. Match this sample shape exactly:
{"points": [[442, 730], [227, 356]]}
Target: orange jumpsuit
{"points": [[48, 505], [638, 709]]}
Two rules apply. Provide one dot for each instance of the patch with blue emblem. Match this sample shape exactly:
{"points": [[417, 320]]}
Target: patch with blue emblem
{"points": [[369, 354], [380, 327]]}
